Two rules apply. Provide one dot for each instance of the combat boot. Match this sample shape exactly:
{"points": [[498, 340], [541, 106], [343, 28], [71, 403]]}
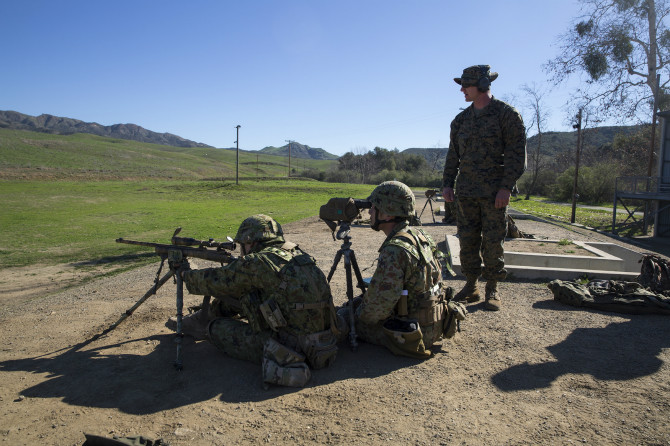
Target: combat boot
{"points": [[194, 325], [492, 298], [469, 293]]}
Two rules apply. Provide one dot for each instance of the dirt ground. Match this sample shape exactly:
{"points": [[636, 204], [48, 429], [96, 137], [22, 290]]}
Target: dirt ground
{"points": [[537, 372]]}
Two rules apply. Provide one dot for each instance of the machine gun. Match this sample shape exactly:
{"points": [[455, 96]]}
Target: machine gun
{"points": [[177, 255]]}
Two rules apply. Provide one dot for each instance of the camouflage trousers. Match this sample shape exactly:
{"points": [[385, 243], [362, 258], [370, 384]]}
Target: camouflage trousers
{"points": [[481, 229], [237, 339], [234, 336]]}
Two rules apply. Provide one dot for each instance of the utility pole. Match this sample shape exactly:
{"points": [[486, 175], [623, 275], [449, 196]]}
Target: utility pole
{"points": [[289, 155], [578, 126], [237, 162]]}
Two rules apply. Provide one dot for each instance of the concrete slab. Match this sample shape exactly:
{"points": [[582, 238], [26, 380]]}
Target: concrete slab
{"points": [[607, 261]]}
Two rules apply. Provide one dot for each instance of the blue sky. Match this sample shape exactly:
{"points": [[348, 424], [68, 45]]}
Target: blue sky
{"points": [[345, 75]]}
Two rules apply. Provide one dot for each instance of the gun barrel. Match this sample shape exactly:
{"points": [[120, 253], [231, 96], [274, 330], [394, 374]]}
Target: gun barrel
{"points": [[200, 253], [188, 241]]}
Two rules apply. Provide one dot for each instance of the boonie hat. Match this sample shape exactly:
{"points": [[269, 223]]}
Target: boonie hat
{"points": [[471, 75]]}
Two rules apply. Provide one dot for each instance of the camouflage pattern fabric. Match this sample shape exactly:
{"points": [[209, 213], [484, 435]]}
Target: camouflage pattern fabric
{"points": [[611, 295], [244, 284], [394, 198], [654, 273], [259, 228], [481, 229], [399, 268], [471, 75], [487, 150], [237, 339], [513, 230], [450, 216]]}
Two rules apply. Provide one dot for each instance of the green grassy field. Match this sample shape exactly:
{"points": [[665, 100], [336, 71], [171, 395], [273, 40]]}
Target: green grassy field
{"points": [[34, 155], [593, 218], [66, 198], [51, 222]]}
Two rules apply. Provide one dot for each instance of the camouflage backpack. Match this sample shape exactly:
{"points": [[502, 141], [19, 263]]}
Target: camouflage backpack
{"points": [[301, 309], [654, 273]]}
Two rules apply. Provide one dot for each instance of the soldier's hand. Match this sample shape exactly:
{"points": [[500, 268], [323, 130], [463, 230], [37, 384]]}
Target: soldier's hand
{"points": [[502, 198], [448, 194]]}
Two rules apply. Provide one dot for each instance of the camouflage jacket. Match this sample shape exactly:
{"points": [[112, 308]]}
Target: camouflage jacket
{"points": [[487, 150], [400, 267], [302, 294]]}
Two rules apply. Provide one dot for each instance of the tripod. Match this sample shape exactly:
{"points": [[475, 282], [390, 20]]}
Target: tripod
{"points": [[349, 262], [429, 202]]}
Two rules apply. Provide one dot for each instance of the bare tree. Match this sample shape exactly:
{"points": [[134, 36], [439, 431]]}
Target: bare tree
{"points": [[621, 46], [539, 115], [438, 155]]}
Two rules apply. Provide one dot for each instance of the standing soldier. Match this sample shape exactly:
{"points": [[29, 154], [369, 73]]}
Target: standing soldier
{"points": [[272, 305], [486, 157]]}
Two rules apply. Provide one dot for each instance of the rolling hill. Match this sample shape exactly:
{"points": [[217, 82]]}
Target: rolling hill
{"points": [[299, 151], [66, 126], [553, 143], [37, 155]]}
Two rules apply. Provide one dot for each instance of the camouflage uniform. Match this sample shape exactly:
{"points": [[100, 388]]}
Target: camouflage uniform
{"points": [[258, 281], [487, 152], [400, 267], [408, 264]]}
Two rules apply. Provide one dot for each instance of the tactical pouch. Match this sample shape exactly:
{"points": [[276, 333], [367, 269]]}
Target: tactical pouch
{"points": [[272, 314], [284, 366], [320, 348], [404, 338], [250, 304], [456, 312]]}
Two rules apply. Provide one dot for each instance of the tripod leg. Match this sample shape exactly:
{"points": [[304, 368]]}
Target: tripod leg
{"points": [[432, 212], [424, 207], [361, 283], [130, 310], [338, 256], [353, 343], [180, 317]]}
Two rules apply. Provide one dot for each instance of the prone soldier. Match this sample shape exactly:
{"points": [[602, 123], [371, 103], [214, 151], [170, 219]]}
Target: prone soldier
{"points": [[272, 305]]}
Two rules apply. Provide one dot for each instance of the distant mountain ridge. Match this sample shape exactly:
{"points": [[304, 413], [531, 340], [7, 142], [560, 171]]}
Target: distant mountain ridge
{"points": [[299, 151], [64, 126], [553, 143]]}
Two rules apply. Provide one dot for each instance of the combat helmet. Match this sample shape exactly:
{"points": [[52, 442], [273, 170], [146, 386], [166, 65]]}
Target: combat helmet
{"points": [[393, 198], [259, 228]]}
